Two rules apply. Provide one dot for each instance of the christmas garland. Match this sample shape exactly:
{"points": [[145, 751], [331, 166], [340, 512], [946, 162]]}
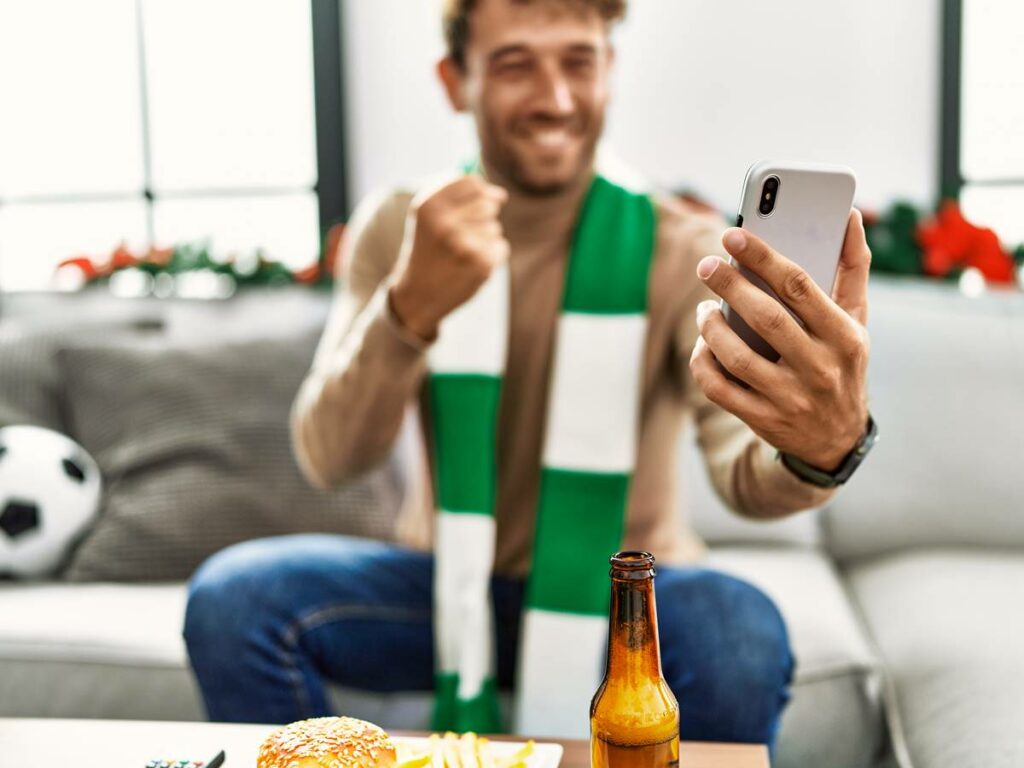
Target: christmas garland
{"points": [[255, 269]]}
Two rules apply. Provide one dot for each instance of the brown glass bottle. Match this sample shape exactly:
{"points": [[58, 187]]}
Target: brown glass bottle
{"points": [[634, 718]]}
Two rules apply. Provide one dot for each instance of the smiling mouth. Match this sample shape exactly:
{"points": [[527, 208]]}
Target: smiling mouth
{"points": [[551, 139]]}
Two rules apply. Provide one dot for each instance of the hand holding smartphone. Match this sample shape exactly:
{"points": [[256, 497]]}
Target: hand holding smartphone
{"points": [[783, 284], [801, 210]]}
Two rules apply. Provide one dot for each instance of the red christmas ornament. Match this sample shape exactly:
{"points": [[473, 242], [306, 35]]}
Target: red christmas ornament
{"points": [[950, 242], [83, 264]]}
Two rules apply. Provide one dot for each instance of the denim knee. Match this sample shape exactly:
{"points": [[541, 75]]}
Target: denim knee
{"points": [[242, 593], [219, 599], [726, 654]]}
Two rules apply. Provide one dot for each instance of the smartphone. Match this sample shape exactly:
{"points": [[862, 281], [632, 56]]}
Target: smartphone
{"points": [[801, 210]]}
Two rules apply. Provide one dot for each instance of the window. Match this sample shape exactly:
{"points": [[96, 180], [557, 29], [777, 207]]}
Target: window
{"points": [[154, 122], [983, 142]]}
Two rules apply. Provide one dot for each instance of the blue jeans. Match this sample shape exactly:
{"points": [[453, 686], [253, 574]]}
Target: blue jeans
{"points": [[269, 621]]}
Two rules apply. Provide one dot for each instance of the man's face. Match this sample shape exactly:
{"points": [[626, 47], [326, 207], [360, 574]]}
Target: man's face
{"points": [[536, 81]]}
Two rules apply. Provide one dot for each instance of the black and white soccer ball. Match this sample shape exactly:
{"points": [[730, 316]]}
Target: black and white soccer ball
{"points": [[49, 494]]}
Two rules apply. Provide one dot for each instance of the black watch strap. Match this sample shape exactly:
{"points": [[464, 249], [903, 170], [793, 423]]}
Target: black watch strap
{"points": [[846, 468]]}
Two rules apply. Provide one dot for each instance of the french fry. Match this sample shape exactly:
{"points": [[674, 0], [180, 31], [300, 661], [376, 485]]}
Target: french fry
{"points": [[484, 753], [435, 748], [450, 745], [468, 750]]}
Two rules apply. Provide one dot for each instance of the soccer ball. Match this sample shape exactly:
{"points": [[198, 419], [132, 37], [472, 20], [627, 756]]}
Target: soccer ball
{"points": [[49, 494]]}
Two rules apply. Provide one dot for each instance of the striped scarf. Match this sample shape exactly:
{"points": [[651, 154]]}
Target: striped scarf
{"points": [[587, 461]]}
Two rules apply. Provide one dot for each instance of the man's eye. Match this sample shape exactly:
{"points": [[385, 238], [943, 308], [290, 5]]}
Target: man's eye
{"points": [[514, 66], [580, 65]]}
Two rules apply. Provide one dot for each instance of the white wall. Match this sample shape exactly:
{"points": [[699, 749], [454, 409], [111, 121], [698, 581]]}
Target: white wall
{"points": [[695, 104]]}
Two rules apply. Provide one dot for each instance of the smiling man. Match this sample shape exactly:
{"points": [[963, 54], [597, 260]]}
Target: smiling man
{"points": [[554, 329]]}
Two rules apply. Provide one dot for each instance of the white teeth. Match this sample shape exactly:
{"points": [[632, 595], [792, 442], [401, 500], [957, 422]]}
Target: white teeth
{"points": [[551, 138]]}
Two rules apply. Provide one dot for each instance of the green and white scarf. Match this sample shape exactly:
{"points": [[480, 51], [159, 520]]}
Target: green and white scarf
{"points": [[588, 457]]}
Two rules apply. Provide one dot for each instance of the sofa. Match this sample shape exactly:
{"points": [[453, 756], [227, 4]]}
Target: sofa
{"points": [[904, 598]]}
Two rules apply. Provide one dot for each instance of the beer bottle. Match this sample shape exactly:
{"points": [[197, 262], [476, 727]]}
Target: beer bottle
{"points": [[634, 718]]}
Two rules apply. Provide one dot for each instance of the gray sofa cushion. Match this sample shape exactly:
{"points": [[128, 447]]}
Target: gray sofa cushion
{"points": [[945, 384], [95, 650], [195, 452], [834, 718], [949, 625], [30, 385], [114, 651]]}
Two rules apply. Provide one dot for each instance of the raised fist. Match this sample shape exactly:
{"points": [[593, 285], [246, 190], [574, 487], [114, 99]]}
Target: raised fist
{"points": [[453, 241]]}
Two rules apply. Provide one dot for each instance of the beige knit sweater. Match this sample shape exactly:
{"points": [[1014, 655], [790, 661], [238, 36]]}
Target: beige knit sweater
{"points": [[368, 370]]}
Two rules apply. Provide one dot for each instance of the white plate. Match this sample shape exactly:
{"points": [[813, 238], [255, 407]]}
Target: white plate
{"points": [[545, 754]]}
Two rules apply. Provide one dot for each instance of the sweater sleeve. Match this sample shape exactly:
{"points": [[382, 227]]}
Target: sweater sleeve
{"points": [[367, 368], [742, 466]]}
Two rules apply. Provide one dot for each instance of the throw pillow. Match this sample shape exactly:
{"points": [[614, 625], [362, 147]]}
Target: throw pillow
{"points": [[29, 373], [196, 455]]}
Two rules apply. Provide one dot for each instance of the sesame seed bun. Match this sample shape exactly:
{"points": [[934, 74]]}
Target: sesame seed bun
{"points": [[327, 742]]}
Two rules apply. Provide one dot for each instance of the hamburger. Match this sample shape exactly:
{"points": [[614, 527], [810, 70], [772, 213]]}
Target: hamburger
{"points": [[327, 742]]}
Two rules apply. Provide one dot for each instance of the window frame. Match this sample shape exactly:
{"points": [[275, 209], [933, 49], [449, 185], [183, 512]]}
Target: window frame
{"points": [[331, 187], [951, 179]]}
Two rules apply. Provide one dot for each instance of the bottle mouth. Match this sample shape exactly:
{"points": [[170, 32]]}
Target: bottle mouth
{"points": [[632, 565]]}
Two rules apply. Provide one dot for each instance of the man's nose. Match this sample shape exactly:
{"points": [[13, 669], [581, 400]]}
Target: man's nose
{"points": [[555, 96]]}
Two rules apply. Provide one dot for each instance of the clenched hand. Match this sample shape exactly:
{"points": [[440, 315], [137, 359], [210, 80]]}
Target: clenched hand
{"points": [[454, 240]]}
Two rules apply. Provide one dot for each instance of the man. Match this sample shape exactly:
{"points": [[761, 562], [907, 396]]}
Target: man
{"points": [[269, 622]]}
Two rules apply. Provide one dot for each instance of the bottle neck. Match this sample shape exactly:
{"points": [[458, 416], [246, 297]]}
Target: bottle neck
{"points": [[633, 652]]}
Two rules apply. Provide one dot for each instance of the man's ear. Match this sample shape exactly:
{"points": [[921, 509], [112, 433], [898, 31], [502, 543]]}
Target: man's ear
{"points": [[452, 78]]}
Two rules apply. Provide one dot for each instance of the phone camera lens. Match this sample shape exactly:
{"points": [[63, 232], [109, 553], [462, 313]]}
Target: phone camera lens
{"points": [[768, 195]]}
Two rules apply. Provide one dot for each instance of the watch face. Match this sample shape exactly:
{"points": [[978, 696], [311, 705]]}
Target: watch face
{"points": [[859, 451]]}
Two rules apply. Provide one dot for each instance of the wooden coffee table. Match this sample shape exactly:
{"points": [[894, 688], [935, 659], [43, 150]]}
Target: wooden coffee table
{"points": [[133, 743]]}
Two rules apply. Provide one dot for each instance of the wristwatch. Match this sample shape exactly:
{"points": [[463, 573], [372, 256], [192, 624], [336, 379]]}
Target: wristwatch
{"points": [[846, 468]]}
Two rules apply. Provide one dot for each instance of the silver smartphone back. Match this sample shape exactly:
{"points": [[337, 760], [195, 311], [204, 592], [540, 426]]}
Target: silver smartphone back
{"points": [[801, 210]]}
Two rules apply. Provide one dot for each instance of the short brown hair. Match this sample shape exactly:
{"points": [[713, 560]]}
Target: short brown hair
{"points": [[455, 20]]}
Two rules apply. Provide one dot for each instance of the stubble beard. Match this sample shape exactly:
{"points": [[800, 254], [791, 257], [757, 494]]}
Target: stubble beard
{"points": [[511, 169]]}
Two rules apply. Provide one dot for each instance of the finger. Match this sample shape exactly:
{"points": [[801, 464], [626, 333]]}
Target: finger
{"points": [[472, 186], [744, 403], [851, 288], [789, 282], [766, 316], [477, 209], [733, 353], [482, 230]]}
